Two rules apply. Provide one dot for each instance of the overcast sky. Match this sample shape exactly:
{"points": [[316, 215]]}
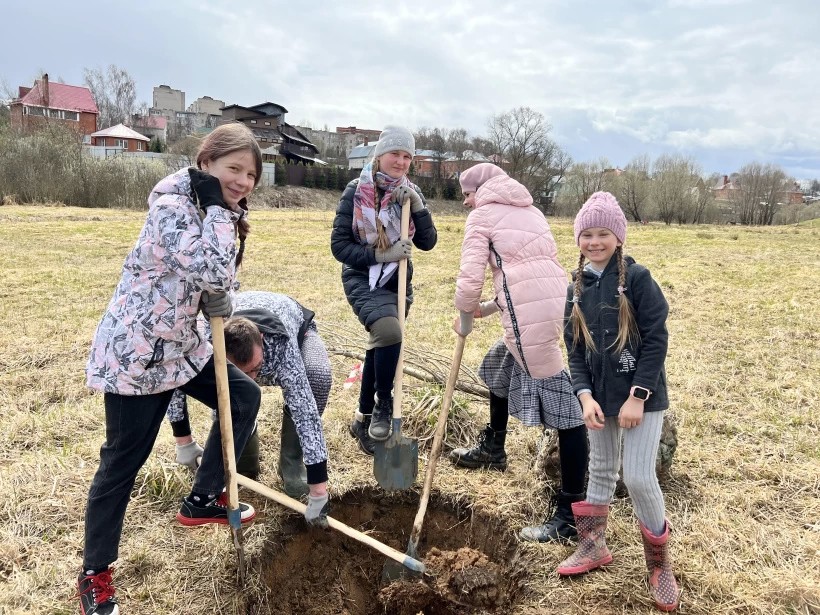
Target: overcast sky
{"points": [[726, 81]]}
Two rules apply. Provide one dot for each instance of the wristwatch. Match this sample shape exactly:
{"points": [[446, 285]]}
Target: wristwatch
{"points": [[640, 393]]}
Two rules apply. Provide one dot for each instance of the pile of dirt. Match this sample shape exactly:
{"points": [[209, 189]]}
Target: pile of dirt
{"points": [[455, 581]]}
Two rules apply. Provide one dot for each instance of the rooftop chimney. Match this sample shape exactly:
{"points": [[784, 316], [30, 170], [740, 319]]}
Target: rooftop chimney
{"points": [[725, 179], [44, 93]]}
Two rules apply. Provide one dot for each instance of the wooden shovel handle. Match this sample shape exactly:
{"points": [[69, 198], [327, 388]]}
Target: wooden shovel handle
{"points": [[402, 309], [438, 439], [284, 500], [224, 403]]}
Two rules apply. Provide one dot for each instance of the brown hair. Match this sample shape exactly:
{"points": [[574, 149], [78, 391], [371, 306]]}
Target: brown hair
{"points": [[227, 139], [241, 335], [627, 327]]}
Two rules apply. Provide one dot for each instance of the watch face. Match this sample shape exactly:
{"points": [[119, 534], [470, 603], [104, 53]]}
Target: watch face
{"points": [[640, 393]]}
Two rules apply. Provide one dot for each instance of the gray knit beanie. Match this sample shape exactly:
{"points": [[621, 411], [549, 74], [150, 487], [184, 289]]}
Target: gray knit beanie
{"points": [[395, 139], [601, 211]]}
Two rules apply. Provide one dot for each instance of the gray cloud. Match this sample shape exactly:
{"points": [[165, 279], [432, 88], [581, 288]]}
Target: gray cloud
{"points": [[727, 81]]}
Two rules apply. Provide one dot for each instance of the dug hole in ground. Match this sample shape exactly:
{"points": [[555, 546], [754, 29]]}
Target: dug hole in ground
{"points": [[471, 559]]}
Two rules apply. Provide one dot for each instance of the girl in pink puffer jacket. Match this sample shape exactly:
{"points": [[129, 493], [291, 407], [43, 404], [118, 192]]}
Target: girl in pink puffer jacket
{"points": [[525, 369]]}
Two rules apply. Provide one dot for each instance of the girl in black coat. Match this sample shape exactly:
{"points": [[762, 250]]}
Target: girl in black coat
{"points": [[616, 341], [366, 239]]}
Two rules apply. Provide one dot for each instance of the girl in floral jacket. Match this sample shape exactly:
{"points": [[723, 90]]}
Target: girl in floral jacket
{"points": [[148, 344]]}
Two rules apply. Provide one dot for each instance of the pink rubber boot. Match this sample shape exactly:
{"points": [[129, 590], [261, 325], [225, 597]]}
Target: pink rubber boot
{"points": [[662, 585], [592, 552]]}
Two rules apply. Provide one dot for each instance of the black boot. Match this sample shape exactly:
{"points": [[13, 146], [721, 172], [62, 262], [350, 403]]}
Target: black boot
{"points": [[358, 429], [488, 453], [382, 415], [559, 527], [291, 469], [248, 462]]}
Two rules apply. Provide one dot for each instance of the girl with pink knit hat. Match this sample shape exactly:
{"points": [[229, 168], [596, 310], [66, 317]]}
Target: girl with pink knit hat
{"points": [[524, 370], [616, 341]]}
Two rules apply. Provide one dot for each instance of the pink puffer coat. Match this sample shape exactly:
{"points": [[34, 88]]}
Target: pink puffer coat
{"points": [[506, 231]]}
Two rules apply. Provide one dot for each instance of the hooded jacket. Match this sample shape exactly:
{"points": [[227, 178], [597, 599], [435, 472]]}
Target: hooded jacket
{"points": [[610, 375], [356, 258], [147, 341], [513, 237]]}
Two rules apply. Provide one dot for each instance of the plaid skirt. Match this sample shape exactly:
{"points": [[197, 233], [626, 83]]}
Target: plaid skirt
{"points": [[533, 401]]}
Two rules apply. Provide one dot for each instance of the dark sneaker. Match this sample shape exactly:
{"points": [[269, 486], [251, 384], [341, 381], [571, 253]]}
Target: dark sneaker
{"points": [[215, 511], [382, 414], [359, 430], [96, 593]]}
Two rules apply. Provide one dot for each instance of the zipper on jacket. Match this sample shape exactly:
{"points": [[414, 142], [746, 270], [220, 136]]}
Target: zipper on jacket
{"points": [[511, 309]]}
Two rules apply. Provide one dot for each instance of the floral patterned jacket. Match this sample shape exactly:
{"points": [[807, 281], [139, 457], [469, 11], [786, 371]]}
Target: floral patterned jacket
{"points": [[148, 340]]}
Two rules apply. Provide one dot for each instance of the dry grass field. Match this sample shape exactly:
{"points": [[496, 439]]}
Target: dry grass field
{"points": [[744, 374]]}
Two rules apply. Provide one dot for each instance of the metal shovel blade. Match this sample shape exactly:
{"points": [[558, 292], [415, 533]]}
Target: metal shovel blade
{"points": [[396, 460], [394, 571]]}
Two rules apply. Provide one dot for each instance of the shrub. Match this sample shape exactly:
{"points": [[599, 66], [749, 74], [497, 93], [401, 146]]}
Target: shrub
{"points": [[51, 166]]}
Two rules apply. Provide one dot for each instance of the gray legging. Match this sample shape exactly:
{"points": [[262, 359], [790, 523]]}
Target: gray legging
{"points": [[640, 451]]}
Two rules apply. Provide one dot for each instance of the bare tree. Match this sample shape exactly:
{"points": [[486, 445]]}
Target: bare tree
{"points": [[522, 138], [583, 178], [633, 188], [115, 93], [762, 188], [674, 187]]}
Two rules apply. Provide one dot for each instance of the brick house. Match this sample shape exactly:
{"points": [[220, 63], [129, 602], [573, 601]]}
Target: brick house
{"points": [[724, 189], [120, 136], [454, 166], [44, 103], [273, 133], [151, 126]]}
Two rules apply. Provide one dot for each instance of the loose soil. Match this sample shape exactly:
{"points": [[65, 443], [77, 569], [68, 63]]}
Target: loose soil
{"points": [[472, 561]]}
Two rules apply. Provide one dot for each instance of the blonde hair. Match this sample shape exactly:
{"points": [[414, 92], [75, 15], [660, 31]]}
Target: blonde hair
{"points": [[382, 243], [627, 326]]}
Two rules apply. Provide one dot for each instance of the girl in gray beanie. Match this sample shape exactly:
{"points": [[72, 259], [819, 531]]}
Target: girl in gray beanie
{"points": [[366, 239]]}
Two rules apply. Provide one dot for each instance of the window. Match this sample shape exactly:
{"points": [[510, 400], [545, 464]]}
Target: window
{"points": [[267, 123], [72, 115], [123, 143], [55, 113], [140, 146], [253, 121], [36, 111]]}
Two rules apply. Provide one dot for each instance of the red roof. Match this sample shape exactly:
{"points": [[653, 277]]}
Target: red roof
{"points": [[61, 96], [152, 121]]}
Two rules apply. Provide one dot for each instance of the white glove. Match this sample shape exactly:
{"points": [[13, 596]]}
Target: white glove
{"points": [[316, 511], [190, 455]]}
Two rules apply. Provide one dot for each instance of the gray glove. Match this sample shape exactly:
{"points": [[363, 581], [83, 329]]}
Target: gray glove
{"points": [[189, 455], [398, 251], [316, 511], [406, 192], [215, 304], [466, 323], [488, 307]]}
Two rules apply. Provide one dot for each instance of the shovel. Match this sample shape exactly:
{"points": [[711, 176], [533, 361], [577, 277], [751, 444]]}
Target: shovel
{"points": [[396, 460], [391, 571], [226, 429]]}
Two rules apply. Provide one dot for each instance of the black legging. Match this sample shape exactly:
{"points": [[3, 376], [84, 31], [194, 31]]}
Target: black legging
{"points": [[378, 373]]}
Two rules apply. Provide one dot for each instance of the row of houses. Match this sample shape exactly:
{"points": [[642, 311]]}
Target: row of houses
{"points": [[74, 106]]}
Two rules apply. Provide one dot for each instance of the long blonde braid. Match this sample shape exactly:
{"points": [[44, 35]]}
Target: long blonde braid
{"points": [[627, 327], [382, 243], [579, 323]]}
